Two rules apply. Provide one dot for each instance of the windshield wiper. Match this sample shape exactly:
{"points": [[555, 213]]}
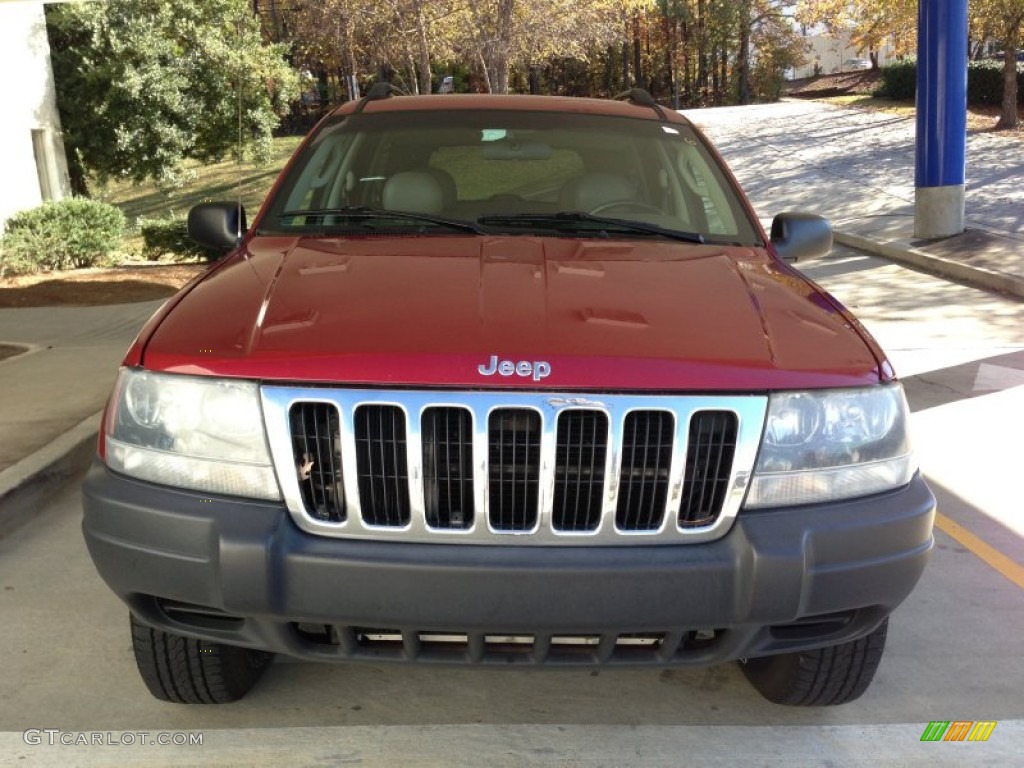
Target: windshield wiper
{"points": [[366, 212], [570, 217]]}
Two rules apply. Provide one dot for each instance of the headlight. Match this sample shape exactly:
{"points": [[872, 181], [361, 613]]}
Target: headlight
{"points": [[191, 432], [830, 445]]}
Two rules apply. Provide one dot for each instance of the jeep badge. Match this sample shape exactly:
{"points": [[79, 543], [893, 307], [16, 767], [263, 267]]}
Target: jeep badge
{"points": [[538, 369]]}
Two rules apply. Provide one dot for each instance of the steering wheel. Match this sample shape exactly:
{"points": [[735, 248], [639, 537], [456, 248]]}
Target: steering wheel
{"points": [[638, 206]]}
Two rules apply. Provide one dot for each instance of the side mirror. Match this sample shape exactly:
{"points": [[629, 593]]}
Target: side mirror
{"points": [[217, 226], [801, 236]]}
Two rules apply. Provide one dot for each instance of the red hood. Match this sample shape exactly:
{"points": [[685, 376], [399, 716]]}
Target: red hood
{"points": [[628, 315]]}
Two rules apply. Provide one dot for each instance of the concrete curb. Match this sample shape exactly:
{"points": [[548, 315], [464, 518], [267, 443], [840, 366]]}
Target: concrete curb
{"points": [[26, 486], [936, 265]]}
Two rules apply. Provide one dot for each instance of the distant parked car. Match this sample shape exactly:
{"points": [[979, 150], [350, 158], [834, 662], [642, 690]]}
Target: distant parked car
{"points": [[852, 65]]}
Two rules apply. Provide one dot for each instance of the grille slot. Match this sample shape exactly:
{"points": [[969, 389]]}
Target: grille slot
{"points": [[316, 447], [382, 465], [709, 458], [580, 450], [647, 442], [513, 468], [448, 467]]}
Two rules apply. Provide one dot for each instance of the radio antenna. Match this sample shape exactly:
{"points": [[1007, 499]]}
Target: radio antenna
{"points": [[238, 156]]}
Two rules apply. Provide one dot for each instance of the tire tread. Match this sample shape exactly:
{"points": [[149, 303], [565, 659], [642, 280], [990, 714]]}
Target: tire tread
{"points": [[184, 670], [820, 677]]}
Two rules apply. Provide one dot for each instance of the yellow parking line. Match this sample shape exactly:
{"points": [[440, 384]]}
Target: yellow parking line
{"points": [[1010, 568]]}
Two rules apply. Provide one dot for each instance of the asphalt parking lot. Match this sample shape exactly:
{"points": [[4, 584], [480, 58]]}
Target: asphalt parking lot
{"points": [[954, 650]]}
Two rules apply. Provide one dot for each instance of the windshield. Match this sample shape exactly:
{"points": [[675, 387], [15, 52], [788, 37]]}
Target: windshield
{"points": [[509, 172]]}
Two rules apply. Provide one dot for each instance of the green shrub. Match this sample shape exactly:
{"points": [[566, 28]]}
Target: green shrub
{"points": [[899, 80], [170, 235], [984, 82], [60, 235]]}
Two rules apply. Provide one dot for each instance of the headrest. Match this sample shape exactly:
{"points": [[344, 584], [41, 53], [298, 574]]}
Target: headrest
{"points": [[591, 190], [413, 192]]}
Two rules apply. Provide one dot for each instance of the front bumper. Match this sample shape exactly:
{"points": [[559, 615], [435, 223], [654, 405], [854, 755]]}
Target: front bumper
{"points": [[241, 572]]}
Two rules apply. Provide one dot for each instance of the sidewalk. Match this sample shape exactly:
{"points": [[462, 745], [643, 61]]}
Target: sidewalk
{"points": [[51, 396], [855, 167]]}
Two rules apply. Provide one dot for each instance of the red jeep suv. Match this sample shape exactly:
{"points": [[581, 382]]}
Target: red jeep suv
{"points": [[499, 380]]}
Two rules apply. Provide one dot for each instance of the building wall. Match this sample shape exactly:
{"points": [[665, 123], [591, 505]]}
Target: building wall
{"points": [[32, 159], [832, 52]]}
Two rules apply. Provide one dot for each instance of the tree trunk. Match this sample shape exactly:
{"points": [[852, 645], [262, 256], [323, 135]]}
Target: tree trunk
{"points": [[743, 55], [487, 74], [702, 52], [713, 65], [348, 58], [410, 66], [423, 48], [625, 65], [494, 41], [499, 72], [687, 66], [723, 58], [500, 51], [534, 80], [76, 173], [1010, 117], [670, 60], [637, 69], [609, 72]]}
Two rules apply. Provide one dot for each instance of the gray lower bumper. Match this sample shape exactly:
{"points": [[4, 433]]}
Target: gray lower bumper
{"points": [[241, 572]]}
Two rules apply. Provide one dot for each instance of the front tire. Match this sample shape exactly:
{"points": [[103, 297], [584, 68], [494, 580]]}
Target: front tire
{"points": [[821, 677], [188, 671]]}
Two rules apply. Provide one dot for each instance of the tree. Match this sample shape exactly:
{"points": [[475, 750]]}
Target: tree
{"points": [[1003, 20], [764, 20], [144, 84], [869, 22], [777, 48], [500, 33]]}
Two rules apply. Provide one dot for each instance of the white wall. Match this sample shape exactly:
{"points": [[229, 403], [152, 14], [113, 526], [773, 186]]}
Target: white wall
{"points": [[832, 51], [29, 103]]}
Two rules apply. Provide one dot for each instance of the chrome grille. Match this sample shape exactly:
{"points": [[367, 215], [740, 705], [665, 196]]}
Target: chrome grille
{"points": [[648, 439], [448, 467], [512, 467], [381, 463], [316, 443], [580, 452], [712, 442]]}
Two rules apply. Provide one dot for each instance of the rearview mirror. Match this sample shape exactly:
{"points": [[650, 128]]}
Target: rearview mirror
{"points": [[798, 236], [218, 226], [512, 150]]}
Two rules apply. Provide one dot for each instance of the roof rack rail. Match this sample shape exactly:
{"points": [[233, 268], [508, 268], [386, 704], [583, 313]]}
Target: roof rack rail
{"points": [[378, 91], [642, 98]]}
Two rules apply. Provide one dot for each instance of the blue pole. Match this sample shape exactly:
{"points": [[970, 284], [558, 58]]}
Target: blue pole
{"points": [[941, 118]]}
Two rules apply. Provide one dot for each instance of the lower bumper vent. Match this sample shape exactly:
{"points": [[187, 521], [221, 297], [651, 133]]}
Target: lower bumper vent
{"points": [[504, 648]]}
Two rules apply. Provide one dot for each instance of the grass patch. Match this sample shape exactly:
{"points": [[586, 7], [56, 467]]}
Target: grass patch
{"points": [[980, 118], [205, 181], [861, 101]]}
